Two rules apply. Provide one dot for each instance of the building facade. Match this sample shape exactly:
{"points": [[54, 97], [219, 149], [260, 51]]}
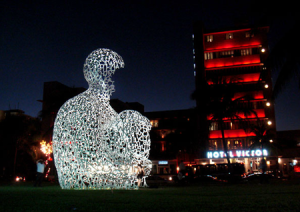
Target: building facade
{"points": [[236, 58], [172, 140]]}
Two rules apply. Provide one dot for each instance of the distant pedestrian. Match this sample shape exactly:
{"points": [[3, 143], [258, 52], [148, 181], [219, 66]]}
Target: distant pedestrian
{"points": [[39, 172], [181, 172], [263, 166], [140, 174]]}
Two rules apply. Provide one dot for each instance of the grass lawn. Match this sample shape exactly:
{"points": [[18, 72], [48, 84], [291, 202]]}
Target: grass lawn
{"points": [[275, 196]]}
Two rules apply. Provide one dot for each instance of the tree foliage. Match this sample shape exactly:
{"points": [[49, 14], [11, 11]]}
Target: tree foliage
{"points": [[220, 103], [19, 138]]}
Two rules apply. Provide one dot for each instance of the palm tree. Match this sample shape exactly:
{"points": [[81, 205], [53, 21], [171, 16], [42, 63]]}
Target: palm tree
{"points": [[286, 59], [220, 105], [223, 106], [264, 136], [283, 58]]}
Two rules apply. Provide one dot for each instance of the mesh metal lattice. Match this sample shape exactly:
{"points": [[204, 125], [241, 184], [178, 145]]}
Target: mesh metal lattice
{"points": [[94, 147]]}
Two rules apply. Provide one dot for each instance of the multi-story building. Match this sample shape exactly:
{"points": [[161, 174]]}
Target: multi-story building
{"points": [[55, 94], [172, 140], [237, 57]]}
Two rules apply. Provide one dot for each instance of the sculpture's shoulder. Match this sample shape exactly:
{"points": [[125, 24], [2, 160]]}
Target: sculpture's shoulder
{"points": [[134, 116], [73, 105]]}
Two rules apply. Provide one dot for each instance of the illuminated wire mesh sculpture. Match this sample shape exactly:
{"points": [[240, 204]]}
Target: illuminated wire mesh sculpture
{"points": [[93, 145]]}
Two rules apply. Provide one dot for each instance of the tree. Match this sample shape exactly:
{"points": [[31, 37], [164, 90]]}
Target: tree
{"points": [[262, 139], [19, 136], [264, 136], [283, 56], [221, 104]]}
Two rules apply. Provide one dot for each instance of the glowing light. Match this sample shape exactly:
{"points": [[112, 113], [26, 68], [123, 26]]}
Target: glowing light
{"points": [[46, 148], [232, 61], [269, 123], [230, 134], [237, 154], [19, 179], [271, 141], [266, 85], [263, 50], [268, 104], [163, 162], [94, 147]]}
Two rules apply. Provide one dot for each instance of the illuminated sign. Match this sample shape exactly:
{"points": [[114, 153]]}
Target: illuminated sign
{"points": [[163, 162], [238, 153]]}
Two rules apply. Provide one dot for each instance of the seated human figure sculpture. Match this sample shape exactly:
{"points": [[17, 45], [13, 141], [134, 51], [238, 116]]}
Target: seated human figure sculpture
{"points": [[94, 147]]}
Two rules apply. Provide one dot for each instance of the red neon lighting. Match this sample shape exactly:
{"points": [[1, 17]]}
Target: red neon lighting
{"points": [[229, 134], [228, 31], [259, 112], [296, 168], [253, 77], [232, 61], [230, 47], [255, 94], [234, 30], [238, 66], [231, 44]]}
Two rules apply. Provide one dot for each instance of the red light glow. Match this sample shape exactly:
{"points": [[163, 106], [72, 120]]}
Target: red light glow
{"points": [[297, 169], [255, 94], [229, 134], [259, 112], [253, 77], [232, 31], [231, 45], [232, 61], [238, 66]]}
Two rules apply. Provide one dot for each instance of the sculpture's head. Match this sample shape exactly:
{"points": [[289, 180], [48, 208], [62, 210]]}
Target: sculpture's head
{"points": [[98, 68]]}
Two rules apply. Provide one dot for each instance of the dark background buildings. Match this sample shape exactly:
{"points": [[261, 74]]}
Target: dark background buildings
{"points": [[48, 41]]}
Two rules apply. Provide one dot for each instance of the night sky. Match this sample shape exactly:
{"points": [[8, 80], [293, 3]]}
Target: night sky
{"points": [[45, 41]]}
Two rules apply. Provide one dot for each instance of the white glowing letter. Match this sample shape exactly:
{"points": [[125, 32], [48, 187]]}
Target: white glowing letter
{"points": [[94, 147], [216, 155]]}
